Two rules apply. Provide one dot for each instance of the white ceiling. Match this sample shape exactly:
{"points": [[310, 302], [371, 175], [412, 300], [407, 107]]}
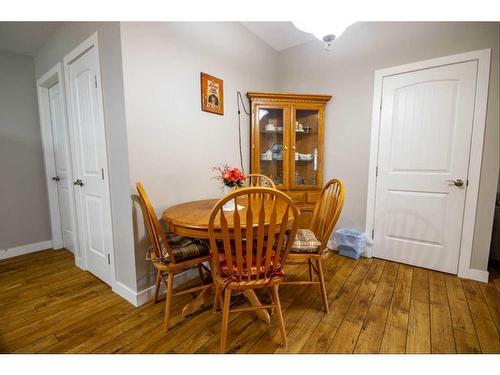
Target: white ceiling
{"points": [[25, 38], [28, 37], [279, 35]]}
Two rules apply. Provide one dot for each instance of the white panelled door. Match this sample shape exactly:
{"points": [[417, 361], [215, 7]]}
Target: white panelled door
{"points": [[425, 139], [62, 160], [87, 121]]}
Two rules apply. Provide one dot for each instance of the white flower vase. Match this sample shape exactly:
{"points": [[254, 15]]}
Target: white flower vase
{"points": [[229, 205]]}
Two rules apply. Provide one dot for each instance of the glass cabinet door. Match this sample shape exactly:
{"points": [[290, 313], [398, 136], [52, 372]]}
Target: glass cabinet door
{"points": [[272, 133], [306, 139]]}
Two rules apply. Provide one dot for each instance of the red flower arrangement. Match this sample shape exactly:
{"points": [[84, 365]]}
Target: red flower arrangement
{"points": [[229, 176]]}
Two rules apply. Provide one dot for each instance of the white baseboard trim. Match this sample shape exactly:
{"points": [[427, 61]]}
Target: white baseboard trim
{"points": [[125, 292], [474, 274], [146, 295], [25, 249]]}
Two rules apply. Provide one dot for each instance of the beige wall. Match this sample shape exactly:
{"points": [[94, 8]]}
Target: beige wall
{"points": [[24, 210], [347, 73], [172, 143], [64, 40]]}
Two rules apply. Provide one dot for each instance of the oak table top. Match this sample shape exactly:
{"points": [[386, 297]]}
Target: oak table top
{"points": [[191, 218]]}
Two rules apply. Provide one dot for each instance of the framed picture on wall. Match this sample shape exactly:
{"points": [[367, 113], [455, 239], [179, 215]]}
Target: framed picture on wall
{"points": [[212, 94]]}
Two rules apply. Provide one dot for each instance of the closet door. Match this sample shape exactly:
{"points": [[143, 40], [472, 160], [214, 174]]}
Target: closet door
{"points": [[62, 164], [87, 122]]}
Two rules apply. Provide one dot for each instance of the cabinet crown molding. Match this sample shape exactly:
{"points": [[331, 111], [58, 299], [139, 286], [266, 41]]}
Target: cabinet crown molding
{"points": [[279, 96]]}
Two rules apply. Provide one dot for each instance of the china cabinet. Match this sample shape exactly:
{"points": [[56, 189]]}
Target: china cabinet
{"points": [[286, 144]]}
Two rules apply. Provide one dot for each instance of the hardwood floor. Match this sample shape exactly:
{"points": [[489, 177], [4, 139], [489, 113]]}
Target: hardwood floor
{"points": [[47, 305]]}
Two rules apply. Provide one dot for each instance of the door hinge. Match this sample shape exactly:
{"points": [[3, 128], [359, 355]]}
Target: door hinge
{"points": [[102, 173], [109, 259], [380, 104], [373, 234], [95, 81], [466, 182], [376, 171]]}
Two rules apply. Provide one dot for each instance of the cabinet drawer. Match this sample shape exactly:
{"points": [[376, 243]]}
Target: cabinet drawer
{"points": [[297, 197], [313, 197]]}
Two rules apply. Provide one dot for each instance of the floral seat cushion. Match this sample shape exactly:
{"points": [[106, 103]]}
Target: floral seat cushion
{"points": [[183, 247], [305, 242]]}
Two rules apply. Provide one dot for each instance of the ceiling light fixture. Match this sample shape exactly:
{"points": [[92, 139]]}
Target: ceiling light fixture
{"points": [[327, 31]]}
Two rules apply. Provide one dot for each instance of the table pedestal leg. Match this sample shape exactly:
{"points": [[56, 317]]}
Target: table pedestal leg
{"points": [[202, 300], [205, 298], [254, 301]]}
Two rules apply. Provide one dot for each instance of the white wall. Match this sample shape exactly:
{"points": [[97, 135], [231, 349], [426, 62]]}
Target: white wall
{"points": [[24, 210], [172, 143], [347, 73], [61, 42]]}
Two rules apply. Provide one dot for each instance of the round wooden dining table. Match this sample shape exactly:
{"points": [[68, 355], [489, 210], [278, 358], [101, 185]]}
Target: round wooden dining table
{"points": [[191, 219]]}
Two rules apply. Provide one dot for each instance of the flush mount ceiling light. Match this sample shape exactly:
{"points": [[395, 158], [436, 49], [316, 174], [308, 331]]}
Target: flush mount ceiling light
{"points": [[327, 31]]}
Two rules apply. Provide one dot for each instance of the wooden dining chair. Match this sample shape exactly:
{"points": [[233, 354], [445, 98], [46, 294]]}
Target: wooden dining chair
{"points": [[249, 247], [172, 254], [310, 244], [256, 179]]}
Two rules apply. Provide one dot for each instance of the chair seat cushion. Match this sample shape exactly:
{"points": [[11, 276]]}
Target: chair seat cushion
{"points": [[253, 270], [182, 248], [305, 242], [185, 247]]}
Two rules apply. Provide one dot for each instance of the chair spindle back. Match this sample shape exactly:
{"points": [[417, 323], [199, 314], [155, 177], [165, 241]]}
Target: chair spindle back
{"points": [[155, 230], [327, 211], [255, 239], [256, 180]]}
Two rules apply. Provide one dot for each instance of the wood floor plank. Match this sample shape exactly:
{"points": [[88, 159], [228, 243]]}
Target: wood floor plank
{"points": [[418, 339], [323, 333], [347, 334], [372, 331], [394, 339], [442, 338], [49, 304], [342, 300], [294, 308], [486, 331], [314, 312], [463, 327], [66, 344], [161, 344], [492, 298], [38, 345], [143, 319], [495, 278], [28, 334]]}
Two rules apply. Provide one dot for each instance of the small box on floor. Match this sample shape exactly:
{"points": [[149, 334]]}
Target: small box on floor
{"points": [[351, 243], [348, 251]]}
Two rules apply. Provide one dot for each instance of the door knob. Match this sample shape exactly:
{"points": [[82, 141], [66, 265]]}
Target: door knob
{"points": [[457, 182], [78, 182], [56, 178]]}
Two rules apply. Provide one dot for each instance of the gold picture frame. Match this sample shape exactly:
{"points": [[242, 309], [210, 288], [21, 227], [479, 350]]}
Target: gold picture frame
{"points": [[212, 94]]}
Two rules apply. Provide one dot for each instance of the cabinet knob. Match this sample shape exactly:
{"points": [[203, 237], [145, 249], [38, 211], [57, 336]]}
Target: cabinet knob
{"points": [[285, 148]]}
